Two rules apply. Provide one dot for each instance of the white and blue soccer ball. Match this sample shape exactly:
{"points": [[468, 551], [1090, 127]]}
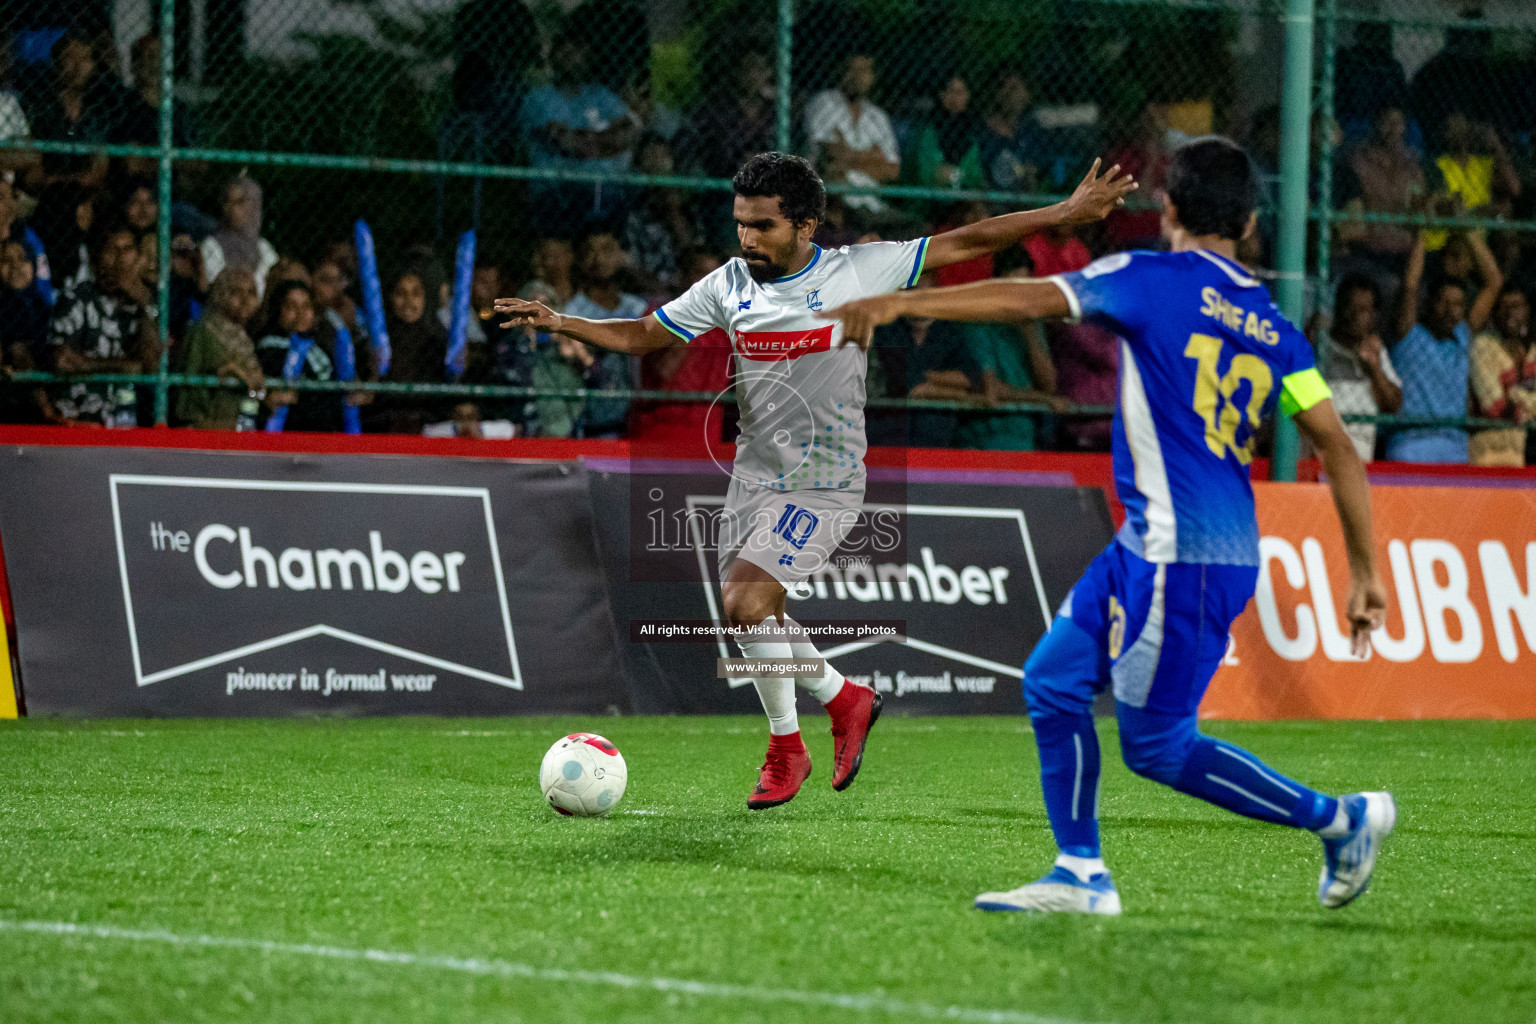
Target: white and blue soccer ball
{"points": [[583, 775]]}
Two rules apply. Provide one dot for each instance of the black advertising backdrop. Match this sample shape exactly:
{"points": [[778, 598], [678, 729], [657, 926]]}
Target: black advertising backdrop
{"points": [[164, 582], [152, 582], [985, 569]]}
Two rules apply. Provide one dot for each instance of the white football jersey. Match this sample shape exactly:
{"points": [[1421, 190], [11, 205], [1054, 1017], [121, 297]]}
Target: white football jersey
{"points": [[799, 389]]}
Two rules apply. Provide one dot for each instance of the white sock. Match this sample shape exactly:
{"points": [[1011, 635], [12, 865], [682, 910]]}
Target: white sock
{"points": [[823, 687], [1083, 867], [1338, 827], [778, 697], [776, 692]]}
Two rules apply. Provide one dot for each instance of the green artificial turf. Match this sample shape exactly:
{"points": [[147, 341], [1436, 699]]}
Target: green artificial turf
{"points": [[428, 836]]}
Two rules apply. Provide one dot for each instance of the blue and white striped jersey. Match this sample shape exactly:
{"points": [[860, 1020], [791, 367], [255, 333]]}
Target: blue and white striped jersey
{"points": [[1202, 349]]}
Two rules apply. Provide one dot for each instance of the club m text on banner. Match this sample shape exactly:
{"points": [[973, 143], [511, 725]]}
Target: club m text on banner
{"points": [[1459, 567]]}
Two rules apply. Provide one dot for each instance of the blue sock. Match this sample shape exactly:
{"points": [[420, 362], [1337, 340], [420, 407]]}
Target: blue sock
{"points": [[1230, 777], [1069, 774]]}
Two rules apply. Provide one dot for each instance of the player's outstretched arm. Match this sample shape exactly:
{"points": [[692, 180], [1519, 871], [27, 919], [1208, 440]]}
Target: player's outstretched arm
{"points": [[1367, 605], [632, 337], [1096, 195], [1001, 300]]}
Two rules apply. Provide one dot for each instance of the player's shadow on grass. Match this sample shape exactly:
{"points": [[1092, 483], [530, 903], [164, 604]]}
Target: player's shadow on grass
{"points": [[1416, 928], [1226, 822], [963, 817], [1448, 831], [738, 843], [1000, 813]]}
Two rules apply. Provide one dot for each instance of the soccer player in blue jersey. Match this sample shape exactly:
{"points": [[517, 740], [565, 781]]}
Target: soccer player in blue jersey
{"points": [[1204, 354]]}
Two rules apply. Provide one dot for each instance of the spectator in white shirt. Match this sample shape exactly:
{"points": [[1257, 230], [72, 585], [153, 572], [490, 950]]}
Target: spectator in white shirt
{"points": [[238, 242], [13, 122], [851, 139], [1352, 358]]}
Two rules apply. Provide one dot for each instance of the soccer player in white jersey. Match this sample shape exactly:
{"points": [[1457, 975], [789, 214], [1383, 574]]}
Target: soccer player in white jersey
{"points": [[797, 486]]}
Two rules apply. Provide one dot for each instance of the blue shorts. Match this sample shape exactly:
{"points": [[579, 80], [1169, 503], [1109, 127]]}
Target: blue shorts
{"points": [[1158, 632]]}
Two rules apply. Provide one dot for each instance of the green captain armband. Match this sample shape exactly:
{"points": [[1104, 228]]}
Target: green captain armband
{"points": [[1302, 390]]}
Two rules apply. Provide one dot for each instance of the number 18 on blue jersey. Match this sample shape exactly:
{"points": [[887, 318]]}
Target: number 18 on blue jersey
{"points": [[1204, 357]]}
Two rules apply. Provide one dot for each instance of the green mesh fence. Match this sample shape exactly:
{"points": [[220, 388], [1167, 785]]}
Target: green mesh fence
{"points": [[1424, 182], [536, 123]]}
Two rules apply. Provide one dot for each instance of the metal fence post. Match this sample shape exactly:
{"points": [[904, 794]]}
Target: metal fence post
{"points": [[1326, 150], [167, 141], [1291, 255], [783, 100]]}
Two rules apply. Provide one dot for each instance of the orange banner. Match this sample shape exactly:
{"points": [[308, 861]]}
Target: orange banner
{"points": [[1459, 566]]}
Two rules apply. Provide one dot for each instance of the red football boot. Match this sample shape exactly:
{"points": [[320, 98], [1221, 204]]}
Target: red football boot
{"points": [[787, 766], [854, 712]]}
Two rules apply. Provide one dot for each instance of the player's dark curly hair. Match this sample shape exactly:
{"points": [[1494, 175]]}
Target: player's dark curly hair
{"points": [[802, 196], [1214, 185]]}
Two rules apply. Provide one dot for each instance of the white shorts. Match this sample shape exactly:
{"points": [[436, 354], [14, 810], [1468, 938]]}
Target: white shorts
{"points": [[788, 534]]}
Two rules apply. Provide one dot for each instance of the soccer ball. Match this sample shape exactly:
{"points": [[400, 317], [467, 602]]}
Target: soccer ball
{"points": [[583, 775]]}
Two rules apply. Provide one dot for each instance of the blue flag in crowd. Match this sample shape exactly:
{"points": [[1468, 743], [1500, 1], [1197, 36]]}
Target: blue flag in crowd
{"points": [[42, 278], [298, 349], [458, 326], [373, 296], [346, 369]]}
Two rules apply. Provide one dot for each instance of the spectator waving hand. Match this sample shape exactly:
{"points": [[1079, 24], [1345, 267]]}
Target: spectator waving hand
{"points": [[1432, 357]]}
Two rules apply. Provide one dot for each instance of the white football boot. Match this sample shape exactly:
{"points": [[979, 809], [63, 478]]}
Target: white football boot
{"points": [[1059, 892], [1349, 859]]}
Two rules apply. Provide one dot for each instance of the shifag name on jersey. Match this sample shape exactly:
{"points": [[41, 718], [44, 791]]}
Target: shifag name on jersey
{"points": [[772, 346], [1235, 318]]}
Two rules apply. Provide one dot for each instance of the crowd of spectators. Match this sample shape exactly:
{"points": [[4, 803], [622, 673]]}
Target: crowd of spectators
{"points": [[1430, 324]]}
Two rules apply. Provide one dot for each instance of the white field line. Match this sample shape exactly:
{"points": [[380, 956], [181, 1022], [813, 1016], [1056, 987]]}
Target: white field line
{"points": [[859, 1002], [85, 732], [487, 732]]}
